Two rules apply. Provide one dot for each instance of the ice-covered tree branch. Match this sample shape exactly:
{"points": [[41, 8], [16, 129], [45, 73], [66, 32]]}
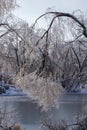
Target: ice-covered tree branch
{"points": [[58, 15]]}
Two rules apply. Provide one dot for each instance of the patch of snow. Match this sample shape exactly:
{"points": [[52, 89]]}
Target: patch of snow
{"points": [[13, 91]]}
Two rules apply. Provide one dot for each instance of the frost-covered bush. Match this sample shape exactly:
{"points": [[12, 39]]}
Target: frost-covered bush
{"points": [[43, 90]]}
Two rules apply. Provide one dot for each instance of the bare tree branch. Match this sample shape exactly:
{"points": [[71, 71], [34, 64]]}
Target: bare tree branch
{"points": [[58, 15], [11, 29], [61, 14]]}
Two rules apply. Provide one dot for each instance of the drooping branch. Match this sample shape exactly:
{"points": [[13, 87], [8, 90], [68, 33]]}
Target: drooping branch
{"points": [[58, 15], [10, 29], [61, 14]]}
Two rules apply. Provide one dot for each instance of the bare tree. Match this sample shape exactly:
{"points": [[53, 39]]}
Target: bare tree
{"points": [[71, 65]]}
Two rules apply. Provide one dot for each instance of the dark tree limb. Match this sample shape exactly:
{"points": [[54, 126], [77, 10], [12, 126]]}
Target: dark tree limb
{"points": [[57, 15], [77, 58], [11, 30]]}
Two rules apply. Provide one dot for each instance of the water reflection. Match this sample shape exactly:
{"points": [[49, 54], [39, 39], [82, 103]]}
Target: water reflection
{"points": [[67, 111], [30, 115], [30, 112]]}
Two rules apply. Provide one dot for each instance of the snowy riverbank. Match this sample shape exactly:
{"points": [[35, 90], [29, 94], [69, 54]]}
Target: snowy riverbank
{"points": [[12, 91]]}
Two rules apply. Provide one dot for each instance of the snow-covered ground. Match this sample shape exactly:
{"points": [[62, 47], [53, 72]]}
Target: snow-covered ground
{"points": [[13, 91]]}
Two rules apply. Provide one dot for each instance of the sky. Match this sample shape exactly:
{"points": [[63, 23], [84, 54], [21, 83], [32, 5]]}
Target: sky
{"points": [[29, 10]]}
